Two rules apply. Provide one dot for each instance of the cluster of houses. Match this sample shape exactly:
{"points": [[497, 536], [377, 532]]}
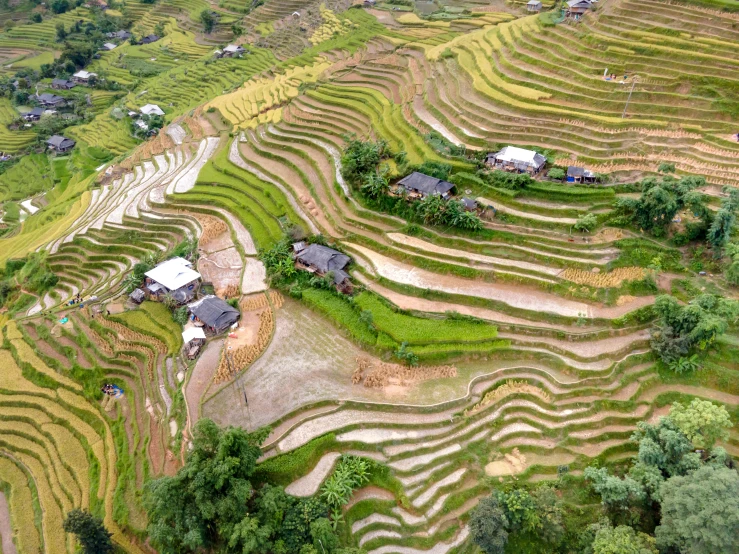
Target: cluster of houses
{"points": [[208, 316]]}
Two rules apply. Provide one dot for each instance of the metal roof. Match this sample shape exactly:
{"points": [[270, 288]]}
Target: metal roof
{"points": [[58, 141], [173, 274], [193, 333], [520, 157]]}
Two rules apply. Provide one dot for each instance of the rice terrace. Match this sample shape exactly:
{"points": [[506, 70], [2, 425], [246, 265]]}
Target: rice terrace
{"points": [[369, 276]]}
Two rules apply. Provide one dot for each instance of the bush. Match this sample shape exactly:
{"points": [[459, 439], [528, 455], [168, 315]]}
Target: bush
{"points": [[556, 173]]}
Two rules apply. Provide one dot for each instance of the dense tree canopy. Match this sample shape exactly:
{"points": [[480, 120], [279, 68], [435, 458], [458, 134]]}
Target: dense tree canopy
{"points": [[622, 540], [700, 512], [661, 200], [702, 422], [681, 330], [92, 535], [212, 505], [488, 525]]}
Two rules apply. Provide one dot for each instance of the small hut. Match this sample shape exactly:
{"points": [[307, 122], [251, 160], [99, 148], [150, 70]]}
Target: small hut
{"points": [[137, 296], [193, 339], [533, 6]]}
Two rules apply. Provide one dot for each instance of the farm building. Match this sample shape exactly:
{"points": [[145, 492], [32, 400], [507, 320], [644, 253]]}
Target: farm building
{"points": [[369, 3], [215, 314], [512, 158], [321, 260], [58, 143], [138, 296], [420, 185], [152, 109], [175, 276], [233, 50], [577, 174], [193, 339], [50, 100], [62, 84], [578, 7], [120, 35], [148, 39], [34, 115], [83, 77], [109, 46], [533, 6]]}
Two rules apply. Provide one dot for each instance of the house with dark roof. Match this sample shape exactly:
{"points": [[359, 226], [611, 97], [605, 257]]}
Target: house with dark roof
{"points": [[137, 296], [577, 174], [420, 185], [49, 100], [34, 115], [61, 144], [515, 159], [62, 84], [322, 260], [120, 35], [148, 39], [215, 314]]}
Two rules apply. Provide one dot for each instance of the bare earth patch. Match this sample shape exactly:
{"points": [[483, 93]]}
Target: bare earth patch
{"points": [[201, 376]]}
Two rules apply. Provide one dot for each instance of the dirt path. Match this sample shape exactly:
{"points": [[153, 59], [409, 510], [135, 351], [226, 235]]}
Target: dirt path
{"points": [[200, 378], [6, 527]]}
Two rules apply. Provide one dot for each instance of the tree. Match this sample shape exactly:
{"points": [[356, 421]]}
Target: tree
{"points": [[622, 540], [92, 535], [361, 158], [375, 185], [208, 21], [59, 6], [206, 504], [616, 494], [661, 200], [405, 354], [700, 512], [665, 447], [180, 315], [36, 17], [586, 223], [488, 525], [681, 330], [61, 32], [723, 223], [665, 167], [702, 422], [556, 173]]}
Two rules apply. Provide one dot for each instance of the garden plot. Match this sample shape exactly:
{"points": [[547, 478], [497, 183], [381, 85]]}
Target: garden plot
{"points": [[222, 268]]}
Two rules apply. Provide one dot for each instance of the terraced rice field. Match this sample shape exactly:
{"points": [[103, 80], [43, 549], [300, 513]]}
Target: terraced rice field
{"points": [[549, 352]]}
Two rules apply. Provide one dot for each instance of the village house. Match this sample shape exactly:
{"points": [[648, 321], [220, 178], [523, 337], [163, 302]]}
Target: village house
{"points": [[321, 260], [109, 46], [34, 115], [62, 84], [151, 109], [420, 185], [120, 35], [520, 160], [83, 77], [148, 39], [193, 339], [233, 50], [214, 314], [575, 8], [176, 277], [60, 144], [533, 6], [577, 174], [48, 100]]}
